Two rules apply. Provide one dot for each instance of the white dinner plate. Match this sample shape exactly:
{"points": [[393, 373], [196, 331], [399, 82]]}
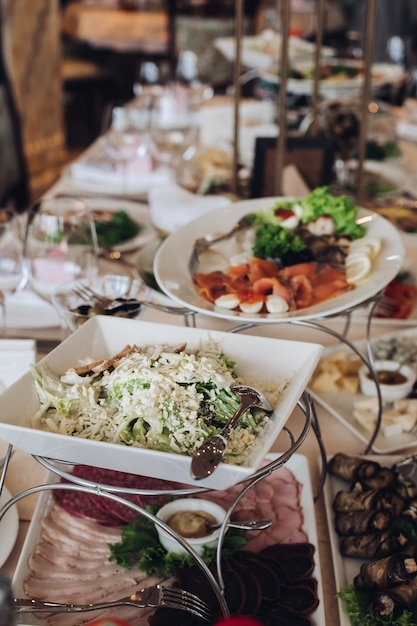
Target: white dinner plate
{"points": [[138, 213], [345, 569], [175, 280], [269, 361], [297, 464], [260, 51], [340, 403], [9, 527], [382, 74], [95, 172]]}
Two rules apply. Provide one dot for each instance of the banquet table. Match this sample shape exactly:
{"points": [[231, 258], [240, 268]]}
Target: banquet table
{"points": [[24, 471]]}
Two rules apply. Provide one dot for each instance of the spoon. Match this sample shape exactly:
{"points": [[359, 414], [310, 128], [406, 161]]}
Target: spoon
{"points": [[391, 377], [208, 456], [260, 524]]}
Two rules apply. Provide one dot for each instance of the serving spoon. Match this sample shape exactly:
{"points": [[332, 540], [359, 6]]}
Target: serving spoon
{"points": [[207, 457], [257, 524]]}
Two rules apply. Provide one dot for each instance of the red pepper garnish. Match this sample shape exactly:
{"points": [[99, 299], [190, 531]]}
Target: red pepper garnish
{"points": [[283, 214]]}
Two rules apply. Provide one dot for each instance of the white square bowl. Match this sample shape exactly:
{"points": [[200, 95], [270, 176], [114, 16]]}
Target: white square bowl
{"points": [[257, 359]]}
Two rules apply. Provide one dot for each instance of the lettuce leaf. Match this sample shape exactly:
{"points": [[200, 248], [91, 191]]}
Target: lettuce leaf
{"points": [[341, 208], [357, 606]]}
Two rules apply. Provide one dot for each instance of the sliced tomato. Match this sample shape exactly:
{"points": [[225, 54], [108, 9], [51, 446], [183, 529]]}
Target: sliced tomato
{"points": [[283, 213], [403, 297]]}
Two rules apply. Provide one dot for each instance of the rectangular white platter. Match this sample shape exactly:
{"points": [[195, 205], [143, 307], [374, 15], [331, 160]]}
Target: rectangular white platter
{"points": [[297, 464], [257, 359], [345, 569], [340, 403]]}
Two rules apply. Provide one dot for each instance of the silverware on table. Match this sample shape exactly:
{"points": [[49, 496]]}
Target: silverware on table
{"points": [[112, 306], [157, 596], [256, 524], [207, 457]]}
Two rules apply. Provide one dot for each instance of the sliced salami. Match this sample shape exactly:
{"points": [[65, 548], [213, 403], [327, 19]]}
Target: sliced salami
{"points": [[108, 509], [84, 505]]}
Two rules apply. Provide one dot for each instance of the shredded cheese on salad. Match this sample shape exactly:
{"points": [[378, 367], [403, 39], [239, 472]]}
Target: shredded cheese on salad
{"points": [[155, 397]]}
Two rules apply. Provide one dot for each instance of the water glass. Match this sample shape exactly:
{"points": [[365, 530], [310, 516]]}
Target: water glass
{"points": [[13, 274], [60, 244], [174, 127], [127, 139]]}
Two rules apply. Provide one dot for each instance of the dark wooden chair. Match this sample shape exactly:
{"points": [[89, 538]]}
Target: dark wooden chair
{"points": [[14, 189]]}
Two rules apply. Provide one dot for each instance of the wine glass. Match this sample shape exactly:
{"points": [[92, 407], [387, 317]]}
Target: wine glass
{"points": [[13, 274], [127, 138], [60, 244], [174, 127]]}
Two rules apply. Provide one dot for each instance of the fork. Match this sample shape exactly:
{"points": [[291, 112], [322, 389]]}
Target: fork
{"points": [[157, 596], [88, 295], [203, 243], [385, 307]]}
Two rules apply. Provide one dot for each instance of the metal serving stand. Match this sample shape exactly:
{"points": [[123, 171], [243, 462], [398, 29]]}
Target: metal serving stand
{"points": [[116, 494]]}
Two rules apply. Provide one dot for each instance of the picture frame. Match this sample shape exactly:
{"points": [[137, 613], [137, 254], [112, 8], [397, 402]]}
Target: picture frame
{"points": [[313, 157]]}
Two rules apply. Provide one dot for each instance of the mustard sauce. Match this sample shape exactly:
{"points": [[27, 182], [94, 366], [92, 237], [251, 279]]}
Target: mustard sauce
{"points": [[192, 524]]}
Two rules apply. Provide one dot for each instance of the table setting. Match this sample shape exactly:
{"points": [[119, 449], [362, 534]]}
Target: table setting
{"points": [[280, 348]]}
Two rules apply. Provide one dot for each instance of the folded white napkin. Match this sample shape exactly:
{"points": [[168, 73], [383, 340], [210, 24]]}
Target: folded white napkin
{"points": [[15, 357], [95, 167], [172, 206], [25, 309]]}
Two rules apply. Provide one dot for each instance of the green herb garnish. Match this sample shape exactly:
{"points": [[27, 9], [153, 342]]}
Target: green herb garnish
{"points": [[119, 228], [276, 242], [140, 547]]}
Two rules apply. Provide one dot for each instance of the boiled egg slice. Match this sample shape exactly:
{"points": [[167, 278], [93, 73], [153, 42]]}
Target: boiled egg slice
{"points": [[276, 304], [227, 301], [252, 306], [294, 215]]}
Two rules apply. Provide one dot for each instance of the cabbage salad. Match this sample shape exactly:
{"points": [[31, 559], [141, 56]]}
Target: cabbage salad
{"points": [[157, 397]]}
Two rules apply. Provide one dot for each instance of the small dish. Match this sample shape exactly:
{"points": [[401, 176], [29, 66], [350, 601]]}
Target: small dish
{"points": [[394, 382], [74, 311], [190, 515]]}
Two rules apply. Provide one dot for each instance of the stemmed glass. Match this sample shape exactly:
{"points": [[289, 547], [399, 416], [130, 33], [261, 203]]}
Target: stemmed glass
{"points": [[127, 138], [174, 127], [13, 274], [60, 244]]}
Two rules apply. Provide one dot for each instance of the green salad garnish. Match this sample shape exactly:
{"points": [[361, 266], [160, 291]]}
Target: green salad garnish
{"points": [[119, 228], [275, 241], [140, 547]]}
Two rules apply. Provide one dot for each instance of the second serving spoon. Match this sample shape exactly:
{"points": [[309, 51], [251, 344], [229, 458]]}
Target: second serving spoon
{"points": [[208, 456]]}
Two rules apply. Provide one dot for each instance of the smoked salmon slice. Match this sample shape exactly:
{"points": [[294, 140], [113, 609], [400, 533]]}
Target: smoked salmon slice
{"points": [[301, 285]]}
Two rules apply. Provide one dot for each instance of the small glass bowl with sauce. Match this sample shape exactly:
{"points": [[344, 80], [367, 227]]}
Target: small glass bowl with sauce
{"points": [[190, 518], [394, 383]]}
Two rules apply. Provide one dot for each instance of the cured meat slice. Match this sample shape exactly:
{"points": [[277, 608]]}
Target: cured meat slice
{"points": [[296, 559], [105, 510], [82, 504], [265, 573], [281, 615]]}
